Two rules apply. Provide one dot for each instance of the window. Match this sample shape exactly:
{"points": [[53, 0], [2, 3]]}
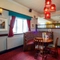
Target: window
{"points": [[20, 26]]}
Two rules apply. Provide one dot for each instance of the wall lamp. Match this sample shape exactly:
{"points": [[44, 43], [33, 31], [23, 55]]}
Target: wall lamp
{"points": [[1, 10]]}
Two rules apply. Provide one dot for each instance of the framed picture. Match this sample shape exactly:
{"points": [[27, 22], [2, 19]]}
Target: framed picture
{"points": [[3, 24]]}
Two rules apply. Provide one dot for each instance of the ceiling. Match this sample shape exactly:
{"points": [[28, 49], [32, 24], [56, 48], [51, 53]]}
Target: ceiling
{"points": [[38, 5]]}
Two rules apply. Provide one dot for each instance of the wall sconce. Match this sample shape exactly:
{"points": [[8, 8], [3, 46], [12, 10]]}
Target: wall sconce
{"points": [[1, 10]]}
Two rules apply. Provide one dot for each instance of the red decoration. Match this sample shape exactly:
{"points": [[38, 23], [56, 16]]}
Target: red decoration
{"points": [[47, 15], [49, 7], [46, 9], [53, 7], [48, 2]]}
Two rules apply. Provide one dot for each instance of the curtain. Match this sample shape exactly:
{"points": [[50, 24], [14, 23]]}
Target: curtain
{"points": [[28, 22], [11, 27]]}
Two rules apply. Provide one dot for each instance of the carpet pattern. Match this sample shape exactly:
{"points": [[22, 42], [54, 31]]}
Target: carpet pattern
{"points": [[19, 54]]}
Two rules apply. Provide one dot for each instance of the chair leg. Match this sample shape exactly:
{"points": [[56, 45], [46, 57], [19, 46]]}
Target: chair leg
{"points": [[54, 54], [36, 54]]}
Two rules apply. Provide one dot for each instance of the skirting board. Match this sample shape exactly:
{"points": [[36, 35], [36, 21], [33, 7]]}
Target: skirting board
{"points": [[5, 51]]}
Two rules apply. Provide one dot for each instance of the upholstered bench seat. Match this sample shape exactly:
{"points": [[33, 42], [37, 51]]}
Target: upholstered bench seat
{"points": [[30, 42]]}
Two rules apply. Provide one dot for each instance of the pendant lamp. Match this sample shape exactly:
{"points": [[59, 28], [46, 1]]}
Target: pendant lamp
{"points": [[49, 7], [46, 9], [52, 8], [48, 2], [47, 15]]}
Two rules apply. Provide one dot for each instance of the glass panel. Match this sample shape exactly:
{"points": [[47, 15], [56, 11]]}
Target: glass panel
{"points": [[20, 26], [25, 26], [14, 29]]}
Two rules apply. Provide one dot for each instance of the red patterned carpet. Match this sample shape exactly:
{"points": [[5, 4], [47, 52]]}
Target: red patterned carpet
{"points": [[19, 54]]}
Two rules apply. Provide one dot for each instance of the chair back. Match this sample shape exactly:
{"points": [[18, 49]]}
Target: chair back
{"points": [[38, 44], [56, 42]]}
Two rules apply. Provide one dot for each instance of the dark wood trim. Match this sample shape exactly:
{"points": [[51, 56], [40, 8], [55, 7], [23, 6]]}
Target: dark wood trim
{"points": [[4, 9], [58, 46], [48, 28], [5, 51], [19, 34], [3, 34], [7, 34]]}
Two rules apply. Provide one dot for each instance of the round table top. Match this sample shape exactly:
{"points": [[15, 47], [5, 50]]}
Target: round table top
{"points": [[43, 40]]}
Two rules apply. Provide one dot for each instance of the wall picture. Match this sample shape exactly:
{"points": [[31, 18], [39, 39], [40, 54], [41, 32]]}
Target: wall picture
{"points": [[3, 24]]}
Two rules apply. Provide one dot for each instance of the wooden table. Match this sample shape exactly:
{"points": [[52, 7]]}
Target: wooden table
{"points": [[45, 42]]}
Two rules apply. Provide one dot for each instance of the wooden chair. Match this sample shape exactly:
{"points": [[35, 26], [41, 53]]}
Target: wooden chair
{"points": [[54, 49], [39, 47]]}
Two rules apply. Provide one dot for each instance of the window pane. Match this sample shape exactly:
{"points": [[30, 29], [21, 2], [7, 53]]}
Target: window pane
{"points": [[20, 25], [14, 29], [25, 26]]}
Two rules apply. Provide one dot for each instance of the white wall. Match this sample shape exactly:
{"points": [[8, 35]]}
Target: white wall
{"points": [[3, 43], [10, 5], [14, 41], [56, 33], [33, 24]]}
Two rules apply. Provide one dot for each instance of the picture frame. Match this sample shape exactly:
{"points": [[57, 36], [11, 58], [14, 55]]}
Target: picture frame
{"points": [[3, 24]]}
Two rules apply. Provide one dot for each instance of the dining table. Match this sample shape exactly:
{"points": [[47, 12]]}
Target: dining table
{"points": [[45, 42]]}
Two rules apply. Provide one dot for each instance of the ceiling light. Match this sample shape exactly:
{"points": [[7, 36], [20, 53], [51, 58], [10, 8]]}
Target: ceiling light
{"points": [[49, 7], [46, 9], [47, 15], [48, 2], [53, 8]]}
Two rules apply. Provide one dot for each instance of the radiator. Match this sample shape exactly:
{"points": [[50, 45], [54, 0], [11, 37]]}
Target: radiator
{"points": [[14, 41], [3, 43]]}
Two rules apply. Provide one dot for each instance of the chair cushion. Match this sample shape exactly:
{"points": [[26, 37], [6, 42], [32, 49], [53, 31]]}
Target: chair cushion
{"points": [[39, 47], [30, 42]]}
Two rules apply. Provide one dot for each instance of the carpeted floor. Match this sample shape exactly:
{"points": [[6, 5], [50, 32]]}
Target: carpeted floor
{"points": [[19, 54]]}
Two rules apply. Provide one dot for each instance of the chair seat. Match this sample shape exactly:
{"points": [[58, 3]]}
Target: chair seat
{"points": [[51, 45], [54, 49], [40, 47], [30, 42]]}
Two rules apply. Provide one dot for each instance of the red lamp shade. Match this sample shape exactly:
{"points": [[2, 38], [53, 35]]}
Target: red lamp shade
{"points": [[47, 15], [46, 9], [49, 7], [53, 7], [48, 2]]}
